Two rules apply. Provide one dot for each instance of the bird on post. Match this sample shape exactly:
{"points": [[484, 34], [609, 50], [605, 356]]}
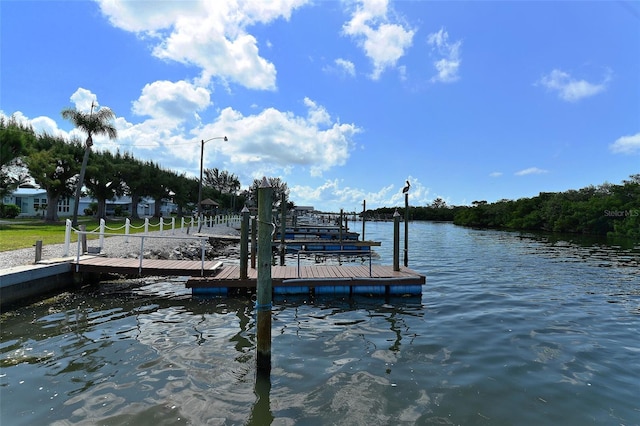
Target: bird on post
{"points": [[406, 188]]}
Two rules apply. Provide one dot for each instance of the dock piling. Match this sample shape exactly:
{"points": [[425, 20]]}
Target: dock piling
{"points": [[406, 229], [364, 210], [396, 241], [244, 243], [264, 288], [283, 226], [254, 232]]}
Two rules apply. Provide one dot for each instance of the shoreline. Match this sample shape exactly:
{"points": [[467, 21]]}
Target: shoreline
{"points": [[115, 246]]}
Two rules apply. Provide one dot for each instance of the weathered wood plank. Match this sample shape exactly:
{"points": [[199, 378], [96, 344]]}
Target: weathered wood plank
{"points": [[220, 275]]}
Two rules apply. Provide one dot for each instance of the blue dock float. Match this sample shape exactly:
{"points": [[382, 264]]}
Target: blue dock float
{"points": [[374, 280], [215, 278]]}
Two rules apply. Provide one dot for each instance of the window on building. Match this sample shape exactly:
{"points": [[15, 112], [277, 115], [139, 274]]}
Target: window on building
{"points": [[63, 205], [39, 204]]}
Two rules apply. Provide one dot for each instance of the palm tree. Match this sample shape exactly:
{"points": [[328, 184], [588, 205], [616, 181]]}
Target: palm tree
{"points": [[98, 123]]}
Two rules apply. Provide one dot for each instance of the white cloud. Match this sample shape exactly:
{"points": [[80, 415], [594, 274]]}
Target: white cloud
{"points": [[345, 67], [40, 125], [571, 90], [332, 195], [449, 63], [383, 42], [83, 99], [273, 140], [531, 171], [626, 145], [495, 174], [174, 101], [210, 35]]}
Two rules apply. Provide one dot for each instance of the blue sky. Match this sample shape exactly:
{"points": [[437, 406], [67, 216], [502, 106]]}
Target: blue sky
{"points": [[344, 100]]}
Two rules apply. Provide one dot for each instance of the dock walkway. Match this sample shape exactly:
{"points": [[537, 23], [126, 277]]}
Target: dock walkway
{"points": [[217, 278]]}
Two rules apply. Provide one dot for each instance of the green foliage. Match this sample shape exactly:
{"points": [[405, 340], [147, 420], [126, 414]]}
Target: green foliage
{"points": [[604, 210], [278, 186], [9, 211], [14, 138], [53, 164], [94, 123], [221, 180]]}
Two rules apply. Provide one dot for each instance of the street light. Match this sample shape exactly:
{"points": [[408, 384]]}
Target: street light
{"points": [[201, 165]]}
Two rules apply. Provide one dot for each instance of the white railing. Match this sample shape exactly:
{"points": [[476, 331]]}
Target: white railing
{"points": [[337, 253], [185, 225], [142, 237]]}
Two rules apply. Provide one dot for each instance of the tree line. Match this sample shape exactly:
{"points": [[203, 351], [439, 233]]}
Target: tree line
{"points": [[55, 164], [607, 209]]}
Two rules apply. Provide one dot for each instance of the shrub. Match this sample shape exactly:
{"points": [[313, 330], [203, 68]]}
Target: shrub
{"points": [[88, 212], [9, 211]]}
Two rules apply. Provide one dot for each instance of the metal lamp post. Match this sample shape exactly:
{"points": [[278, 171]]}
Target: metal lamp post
{"points": [[201, 166]]}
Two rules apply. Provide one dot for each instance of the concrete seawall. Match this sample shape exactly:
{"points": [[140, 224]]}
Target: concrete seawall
{"points": [[23, 282]]}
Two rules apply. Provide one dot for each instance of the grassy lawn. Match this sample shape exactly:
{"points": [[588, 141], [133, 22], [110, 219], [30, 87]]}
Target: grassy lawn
{"points": [[23, 233]]}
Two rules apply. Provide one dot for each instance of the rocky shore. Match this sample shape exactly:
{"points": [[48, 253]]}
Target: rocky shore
{"points": [[178, 248]]}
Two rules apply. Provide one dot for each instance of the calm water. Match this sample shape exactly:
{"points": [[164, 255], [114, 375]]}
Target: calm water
{"points": [[511, 329]]}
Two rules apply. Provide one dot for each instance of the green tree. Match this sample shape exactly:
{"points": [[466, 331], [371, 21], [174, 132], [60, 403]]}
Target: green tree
{"points": [[14, 139], [94, 123], [221, 180], [136, 179], [184, 190], [278, 186], [103, 180], [53, 164], [159, 187]]}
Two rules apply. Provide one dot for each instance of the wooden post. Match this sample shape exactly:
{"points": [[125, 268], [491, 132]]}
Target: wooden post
{"points": [[38, 251], [101, 239], [244, 243], [364, 210], [254, 245], [127, 226], [396, 241], [406, 229], [67, 237], [283, 226], [83, 238], [263, 303]]}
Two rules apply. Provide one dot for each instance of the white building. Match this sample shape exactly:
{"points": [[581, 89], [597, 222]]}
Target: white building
{"points": [[33, 202]]}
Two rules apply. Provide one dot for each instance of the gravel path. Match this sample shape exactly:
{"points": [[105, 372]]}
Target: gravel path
{"points": [[113, 246]]}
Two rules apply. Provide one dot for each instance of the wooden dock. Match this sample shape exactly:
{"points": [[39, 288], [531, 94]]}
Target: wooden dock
{"points": [[216, 278], [149, 267]]}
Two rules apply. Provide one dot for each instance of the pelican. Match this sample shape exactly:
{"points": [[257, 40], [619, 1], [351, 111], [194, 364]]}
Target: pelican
{"points": [[406, 188]]}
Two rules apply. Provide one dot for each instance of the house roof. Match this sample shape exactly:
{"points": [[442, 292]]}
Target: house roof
{"points": [[28, 192], [209, 202]]}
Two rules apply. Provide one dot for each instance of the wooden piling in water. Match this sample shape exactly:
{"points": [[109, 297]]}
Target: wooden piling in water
{"points": [[254, 241], [244, 244], [396, 241], [406, 229], [283, 227], [264, 288], [364, 210]]}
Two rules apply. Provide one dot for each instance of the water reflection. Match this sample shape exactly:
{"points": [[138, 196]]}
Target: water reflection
{"points": [[261, 413]]}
